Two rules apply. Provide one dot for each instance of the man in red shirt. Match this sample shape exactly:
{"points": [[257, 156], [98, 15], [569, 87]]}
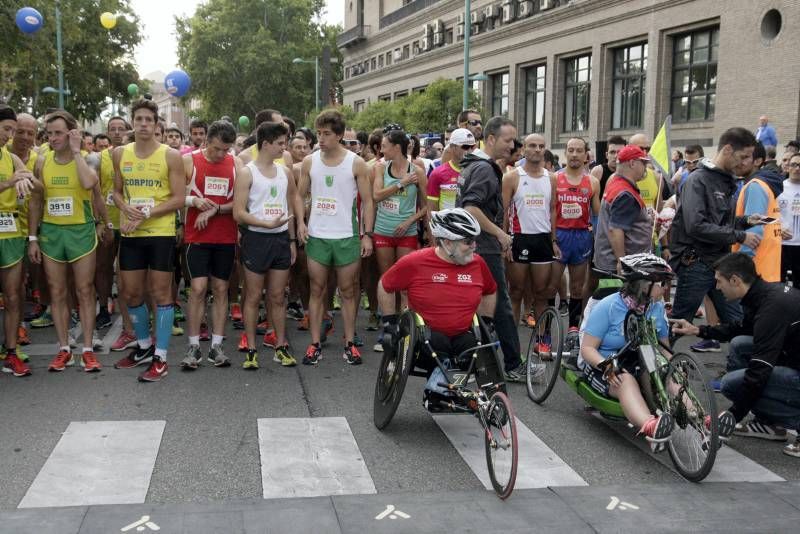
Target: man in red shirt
{"points": [[446, 284]]}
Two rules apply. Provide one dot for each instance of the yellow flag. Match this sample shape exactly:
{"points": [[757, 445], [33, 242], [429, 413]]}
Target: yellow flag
{"points": [[660, 150]]}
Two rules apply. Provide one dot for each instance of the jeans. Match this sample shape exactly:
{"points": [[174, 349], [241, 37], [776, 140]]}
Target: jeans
{"points": [[695, 281], [504, 324], [780, 399]]}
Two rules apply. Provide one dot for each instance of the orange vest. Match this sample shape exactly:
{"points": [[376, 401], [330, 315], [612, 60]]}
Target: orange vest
{"points": [[768, 253]]}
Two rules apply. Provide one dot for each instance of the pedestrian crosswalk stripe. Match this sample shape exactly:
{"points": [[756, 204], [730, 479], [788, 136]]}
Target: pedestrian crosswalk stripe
{"points": [[98, 462], [538, 465], [50, 349], [311, 457]]}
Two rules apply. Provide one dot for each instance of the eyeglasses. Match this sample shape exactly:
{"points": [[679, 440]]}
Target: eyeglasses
{"points": [[350, 142], [474, 122], [691, 161], [794, 165], [645, 148], [469, 241]]}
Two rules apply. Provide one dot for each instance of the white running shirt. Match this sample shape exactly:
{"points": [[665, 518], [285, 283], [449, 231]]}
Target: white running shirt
{"points": [[789, 204], [530, 207], [334, 212], [267, 200]]}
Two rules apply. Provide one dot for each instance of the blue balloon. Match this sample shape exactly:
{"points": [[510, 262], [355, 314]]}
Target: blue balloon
{"points": [[177, 83], [29, 20]]}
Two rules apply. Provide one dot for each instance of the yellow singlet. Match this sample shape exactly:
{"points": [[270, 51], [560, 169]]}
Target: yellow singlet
{"points": [[107, 186], [146, 183], [9, 226], [65, 199], [24, 202]]}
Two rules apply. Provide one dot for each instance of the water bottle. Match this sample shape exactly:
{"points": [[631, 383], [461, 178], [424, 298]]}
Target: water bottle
{"points": [[789, 278]]}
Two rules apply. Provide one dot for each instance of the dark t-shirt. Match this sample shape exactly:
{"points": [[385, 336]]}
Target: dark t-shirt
{"points": [[481, 185]]}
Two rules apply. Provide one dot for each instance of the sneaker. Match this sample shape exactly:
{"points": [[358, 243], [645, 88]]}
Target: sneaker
{"points": [[22, 336], [35, 313], [544, 347], [179, 315], [357, 341], [313, 355], [792, 449], [761, 430], [216, 355], [563, 308], [657, 429], [177, 330], [158, 369], [236, 312], [251, 360], [327, 328], [136, 357], [61, 361], [364, 301], [337, 301], [538, 370], [572, 341], [373, 323], [706, 345], [351, 354], [89, 362], [242, 347], [205, 335], [726, 423], [125, 341], [73, 343], [15, 366], [378, 346], [284, 357], [517, 374], [192, 359], [97, 343], [43, 321], [294, 311], [21, 355], [103, 319], [270, 339], [262, 327], [303, 323]]}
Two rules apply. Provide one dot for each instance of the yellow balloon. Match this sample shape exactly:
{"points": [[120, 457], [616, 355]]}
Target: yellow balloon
{"points": [[108, 20]]}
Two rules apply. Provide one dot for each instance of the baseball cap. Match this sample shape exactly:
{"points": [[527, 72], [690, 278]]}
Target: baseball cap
{"points": [[462, 136], [630, 153]]}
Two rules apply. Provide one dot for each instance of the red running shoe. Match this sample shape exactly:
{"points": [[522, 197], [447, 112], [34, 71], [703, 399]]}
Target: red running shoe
{"points": [[270, 339], [236, 312], [242, 343], [155, 372], [61, 361], [15, 366], [90, 363], [22, 336]]}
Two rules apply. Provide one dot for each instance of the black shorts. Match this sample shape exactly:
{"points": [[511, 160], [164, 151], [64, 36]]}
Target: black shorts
{"points": [[261, 252], [155, 253], [204, 260], [532, 248]]}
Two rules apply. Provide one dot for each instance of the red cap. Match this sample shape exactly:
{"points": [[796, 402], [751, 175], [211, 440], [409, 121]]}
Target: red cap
{"points": [[630, 153]]}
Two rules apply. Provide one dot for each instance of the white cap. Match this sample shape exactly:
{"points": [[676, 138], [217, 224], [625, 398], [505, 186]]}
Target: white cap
{"points": [[462, 136]]}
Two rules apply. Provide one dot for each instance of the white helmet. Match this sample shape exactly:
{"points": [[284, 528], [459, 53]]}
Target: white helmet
{"points": [[454, 224]]}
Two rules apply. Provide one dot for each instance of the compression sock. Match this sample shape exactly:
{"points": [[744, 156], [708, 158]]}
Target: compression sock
{"points": [[575, 307], [165, 316], [141, 325]]}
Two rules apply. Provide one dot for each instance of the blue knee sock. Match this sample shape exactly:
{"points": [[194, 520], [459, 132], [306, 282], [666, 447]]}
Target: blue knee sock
{"points": [[141, 324], [165, 316]]}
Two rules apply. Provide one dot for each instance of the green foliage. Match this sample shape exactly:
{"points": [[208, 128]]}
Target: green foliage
{"points": [[98, 63], [239, 54]]}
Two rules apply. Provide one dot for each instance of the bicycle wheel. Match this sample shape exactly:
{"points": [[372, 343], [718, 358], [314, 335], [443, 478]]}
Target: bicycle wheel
{"points": [[500, 438], [694, 443], [545, 349], [394, 370]]}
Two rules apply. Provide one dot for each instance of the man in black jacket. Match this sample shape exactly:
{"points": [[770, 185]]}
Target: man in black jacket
{"points": [[480, 192], [704, 227], [764, 361]]}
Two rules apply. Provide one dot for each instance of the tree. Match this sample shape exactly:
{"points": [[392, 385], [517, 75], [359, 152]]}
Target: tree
{"points": [[98, 63], [239, 54]]}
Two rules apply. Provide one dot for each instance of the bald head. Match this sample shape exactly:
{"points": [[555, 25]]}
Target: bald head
{"points": [[533, 149], [763, 120], [25, 136], [640, 140]]}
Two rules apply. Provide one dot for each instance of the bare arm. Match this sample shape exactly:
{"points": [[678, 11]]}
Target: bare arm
{"points": [[303, 185], [510, 181], [361, 172], [386, 300], [487, 305], [595, 195]]}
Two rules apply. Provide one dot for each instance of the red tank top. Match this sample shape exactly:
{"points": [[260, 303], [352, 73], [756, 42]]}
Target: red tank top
{"points": [[573, 206], [213, 181]]}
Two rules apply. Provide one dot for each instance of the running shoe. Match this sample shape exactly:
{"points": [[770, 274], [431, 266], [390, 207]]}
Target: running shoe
{"points": [[327, 327], [177, 330], [242, 343], [136, 357], [373, 323], [357, 341], [89, 362], [303, 322], [351, 354], [294, 311], [530, 320], [61, 361], [179, 315], [761, 430], [205, 335], [726, 424], [544, 347], [125, 341], [192, 359], [377, 347], [97, 343], [35, 312], [22, 336], [21, 355], [216, 355], [657, 429], [270, 339], [284, 357], [262, 327], [313, 354], [706, 345], [251, 360], [572, 341], [103, 319], [236, 312], [158, 369], [337, 301], [538, 371], [12, 364], [364, 301], [792, 449], [517, 374], [45, 320]]}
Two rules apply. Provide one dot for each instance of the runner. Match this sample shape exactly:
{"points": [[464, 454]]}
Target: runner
{"points": [[198, 130], [67, 235], [265, 200], [148, 189], [334, 176], [15, 181], [443, 181], [210, 237]]}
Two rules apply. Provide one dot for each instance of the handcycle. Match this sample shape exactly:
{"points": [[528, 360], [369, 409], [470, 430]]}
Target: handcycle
{"points": [[474, 385], [675, 385]]}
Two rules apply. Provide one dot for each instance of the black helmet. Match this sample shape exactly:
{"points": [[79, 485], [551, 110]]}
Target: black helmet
{"points": [[454, 224], [645, 266]]}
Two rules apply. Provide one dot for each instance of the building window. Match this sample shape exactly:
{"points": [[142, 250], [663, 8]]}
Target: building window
{"points": [[400, 94], [388, 58], [577, 85], [380, 61], [358, 106], [406, 52], [448, 36], [499, 94], [534, 99], [630, 68], [385, 98], [694, 75], [372, 64], [419, 89]]}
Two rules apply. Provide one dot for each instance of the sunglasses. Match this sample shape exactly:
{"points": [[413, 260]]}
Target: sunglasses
{"points": [[691, 161], [645, 148], [474, 123], [350, 142], [469, 241], [794, 165], [467, 147]]}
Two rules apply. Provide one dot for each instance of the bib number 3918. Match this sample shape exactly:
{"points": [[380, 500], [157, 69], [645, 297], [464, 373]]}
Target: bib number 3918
{"points": [[60, 206]]}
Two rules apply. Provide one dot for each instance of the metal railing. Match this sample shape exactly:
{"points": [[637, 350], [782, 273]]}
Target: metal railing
{"points": [[352, 36], [403, 12]]}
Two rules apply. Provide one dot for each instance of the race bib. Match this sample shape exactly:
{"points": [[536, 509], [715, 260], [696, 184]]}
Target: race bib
{"points": [[391, 206], [325, 206], [571, 210], [8, 224], [59, 206], [141, 202], [534, 201], [272, 210], [217, 187], [110, 198]]}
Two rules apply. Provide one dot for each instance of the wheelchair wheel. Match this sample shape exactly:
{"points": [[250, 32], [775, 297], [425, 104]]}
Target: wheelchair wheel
{"points": [[501, 444], [694, 443], [545, 350], [394, 370]]}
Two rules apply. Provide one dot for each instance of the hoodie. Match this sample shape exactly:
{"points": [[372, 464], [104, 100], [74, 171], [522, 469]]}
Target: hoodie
{"points": [[480, 185]]}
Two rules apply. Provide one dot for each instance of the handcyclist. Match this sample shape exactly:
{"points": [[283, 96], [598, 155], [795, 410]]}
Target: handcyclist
{"points": [[603, 336], [432, 276]]}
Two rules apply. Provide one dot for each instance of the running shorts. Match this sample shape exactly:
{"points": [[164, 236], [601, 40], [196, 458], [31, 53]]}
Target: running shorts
{"points": [[67, 242], [532, 248], [205, 259], [336, 252], [575, 245], [156, 253], [261, 252]]}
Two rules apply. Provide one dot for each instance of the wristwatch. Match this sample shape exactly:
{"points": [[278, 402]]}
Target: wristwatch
{"points": [[369, 234], [146, 212], [400, 186]]}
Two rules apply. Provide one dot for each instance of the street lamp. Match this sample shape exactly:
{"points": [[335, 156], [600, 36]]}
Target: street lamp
{"points": [[467, 30], [299, 60], [60, 57], [61, 94]]}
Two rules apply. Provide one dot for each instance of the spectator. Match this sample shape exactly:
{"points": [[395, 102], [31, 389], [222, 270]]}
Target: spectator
{"points": [[792, 146], [771, 163], [694, 153], [789, 204], [766, 133], [677, 159]]}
